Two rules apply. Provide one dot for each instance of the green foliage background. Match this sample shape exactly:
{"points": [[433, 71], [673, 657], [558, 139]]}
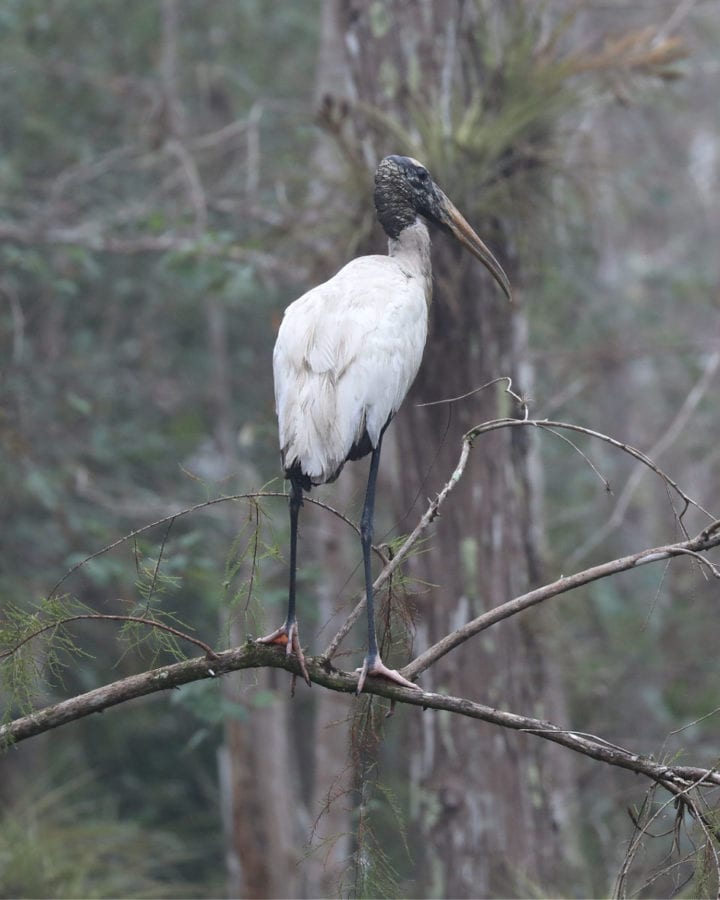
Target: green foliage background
{"points": [[107, 414]]}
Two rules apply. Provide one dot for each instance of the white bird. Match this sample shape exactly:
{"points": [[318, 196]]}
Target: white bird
{"points": [[346, 355]]}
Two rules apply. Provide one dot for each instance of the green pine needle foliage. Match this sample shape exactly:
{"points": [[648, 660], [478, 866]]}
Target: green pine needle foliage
{"points": [[35, 645]]}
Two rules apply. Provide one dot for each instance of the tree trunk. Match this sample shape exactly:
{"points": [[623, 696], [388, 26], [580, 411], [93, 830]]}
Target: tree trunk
{"points": [[259, 786], [332, 781], [489, 806], [491, 801], [318, 721]]}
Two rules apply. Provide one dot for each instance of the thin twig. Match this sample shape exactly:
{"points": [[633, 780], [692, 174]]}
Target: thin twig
{"points": [[430, 514], [197, 507], [713, 712], [156, 570], [522, 403], [587, 459], [253, 563], [106, 617], [667, 439], [715, 570], [191, 175]]}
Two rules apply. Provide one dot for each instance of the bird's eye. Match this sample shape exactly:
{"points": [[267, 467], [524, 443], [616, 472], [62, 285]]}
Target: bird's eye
{"points": [[423, 174]]}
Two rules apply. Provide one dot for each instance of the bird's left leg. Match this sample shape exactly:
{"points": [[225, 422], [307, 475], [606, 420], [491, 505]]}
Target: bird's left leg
{"points": [[373, 664], [287, 634]]}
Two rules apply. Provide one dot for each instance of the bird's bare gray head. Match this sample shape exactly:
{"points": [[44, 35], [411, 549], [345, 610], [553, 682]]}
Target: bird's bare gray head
{"points": [[404, 190]]}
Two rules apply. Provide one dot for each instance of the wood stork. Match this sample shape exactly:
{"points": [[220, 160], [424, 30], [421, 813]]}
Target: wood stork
{"points": [[346, 355]]}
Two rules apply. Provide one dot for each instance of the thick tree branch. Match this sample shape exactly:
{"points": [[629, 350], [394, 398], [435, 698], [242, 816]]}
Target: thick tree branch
{"points": [[676, 779]]}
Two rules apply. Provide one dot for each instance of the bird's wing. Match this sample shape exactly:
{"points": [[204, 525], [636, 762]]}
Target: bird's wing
{"points": [[346, 354]]}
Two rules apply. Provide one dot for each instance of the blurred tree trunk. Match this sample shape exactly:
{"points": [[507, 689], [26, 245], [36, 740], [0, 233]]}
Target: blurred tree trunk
{"points": [[490, 807], [330, 802], [268, 800], [257, 772], [330, 793], [259, 786]]}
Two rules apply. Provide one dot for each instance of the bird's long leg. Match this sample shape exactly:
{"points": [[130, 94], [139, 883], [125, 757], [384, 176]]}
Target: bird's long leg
{"points": [[373, 665], [288, 634]]}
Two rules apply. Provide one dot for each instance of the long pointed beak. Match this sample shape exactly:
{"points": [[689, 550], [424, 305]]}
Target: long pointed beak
{"points": [[451, 218]]}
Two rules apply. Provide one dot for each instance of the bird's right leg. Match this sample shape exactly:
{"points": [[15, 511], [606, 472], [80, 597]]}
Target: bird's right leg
{"points": [[373, 664], [287, 634]]}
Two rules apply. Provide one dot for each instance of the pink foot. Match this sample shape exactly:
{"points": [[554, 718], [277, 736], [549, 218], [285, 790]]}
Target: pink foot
{"points": [[288, 637], [378, 668]]}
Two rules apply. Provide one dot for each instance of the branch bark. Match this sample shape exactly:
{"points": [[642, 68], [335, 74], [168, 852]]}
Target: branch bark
{"points": [[677, 779]]}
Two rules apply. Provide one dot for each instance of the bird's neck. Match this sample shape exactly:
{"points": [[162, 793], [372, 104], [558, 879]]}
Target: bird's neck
{"points": [[411, 250]]}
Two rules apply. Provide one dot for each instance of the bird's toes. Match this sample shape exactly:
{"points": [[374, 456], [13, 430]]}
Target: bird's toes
{"points": [[279, 637], [379, 669], [295, 644]]}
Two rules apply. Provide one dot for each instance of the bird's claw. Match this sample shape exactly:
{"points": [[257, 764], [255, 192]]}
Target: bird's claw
{"points": [[288, 636], [377, 667]]}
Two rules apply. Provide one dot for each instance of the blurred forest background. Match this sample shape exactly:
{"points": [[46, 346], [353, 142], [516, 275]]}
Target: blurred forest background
{"points": [[172, 174]]}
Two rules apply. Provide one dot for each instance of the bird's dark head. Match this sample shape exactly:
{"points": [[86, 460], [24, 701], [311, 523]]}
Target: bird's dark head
{"points": [[404, 189]]}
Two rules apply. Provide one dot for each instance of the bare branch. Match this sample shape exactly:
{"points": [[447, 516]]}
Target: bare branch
{"points": [[521, 402], [714, 570], [706, 540], [587, 459], [550, 424], [174, 114], [676, 779], [408, 544], [507, 609], [192, 178]]}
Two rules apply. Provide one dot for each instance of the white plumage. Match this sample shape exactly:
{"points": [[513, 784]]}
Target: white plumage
{"points": [[347, 353]]}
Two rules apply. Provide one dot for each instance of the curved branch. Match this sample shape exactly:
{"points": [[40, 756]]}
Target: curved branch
{"points": [[521, 402], [706, 540], [676, 779], [432, 511], [550, 424], [139, 620], [668, 437], [205, 504]]}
